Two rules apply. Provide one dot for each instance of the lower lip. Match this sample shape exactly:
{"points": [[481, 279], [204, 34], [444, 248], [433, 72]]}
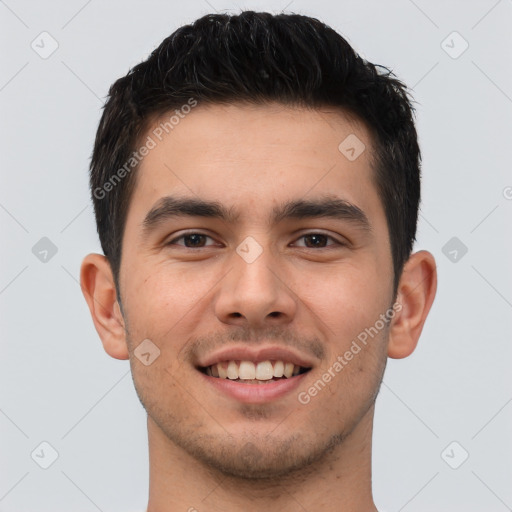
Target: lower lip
{"points": [[256, 393]]}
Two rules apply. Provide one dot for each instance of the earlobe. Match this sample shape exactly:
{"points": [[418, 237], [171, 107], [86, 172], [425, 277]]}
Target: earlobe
{"points": [[97, 283], [415, 294]]}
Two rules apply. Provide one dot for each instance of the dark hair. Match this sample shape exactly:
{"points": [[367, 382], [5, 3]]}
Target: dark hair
{"points": [[257, 57]]}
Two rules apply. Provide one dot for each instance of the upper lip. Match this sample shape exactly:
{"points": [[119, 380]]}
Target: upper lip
{"points": [[262, 353]]}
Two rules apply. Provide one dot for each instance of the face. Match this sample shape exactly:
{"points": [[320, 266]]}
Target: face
{"points": [[257, 275]]}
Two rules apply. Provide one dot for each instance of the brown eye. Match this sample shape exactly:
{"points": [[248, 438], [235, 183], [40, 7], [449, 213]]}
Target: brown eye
{"points": [[191, 240], [318, 241]]}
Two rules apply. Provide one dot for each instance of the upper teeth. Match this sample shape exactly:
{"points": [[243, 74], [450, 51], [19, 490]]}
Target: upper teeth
{"points": [[247, 370]]}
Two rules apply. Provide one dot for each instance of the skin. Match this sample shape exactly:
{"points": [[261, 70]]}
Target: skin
{"points": [[208, 451]]}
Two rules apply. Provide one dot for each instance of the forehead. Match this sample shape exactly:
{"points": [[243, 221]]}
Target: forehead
{"points": [[250, 157]]}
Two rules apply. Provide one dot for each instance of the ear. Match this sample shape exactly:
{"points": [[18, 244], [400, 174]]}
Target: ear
{"points": [[97, 283], [415, 294]]}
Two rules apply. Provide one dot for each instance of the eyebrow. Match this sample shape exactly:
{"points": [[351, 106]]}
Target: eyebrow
{"points": [[328, 206]]}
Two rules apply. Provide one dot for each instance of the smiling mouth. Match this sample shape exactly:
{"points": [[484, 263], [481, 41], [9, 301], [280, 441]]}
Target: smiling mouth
{"points": [[248, 372]]}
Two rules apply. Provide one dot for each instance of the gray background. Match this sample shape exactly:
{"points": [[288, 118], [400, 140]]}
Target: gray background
{"points": [[58, 385]]}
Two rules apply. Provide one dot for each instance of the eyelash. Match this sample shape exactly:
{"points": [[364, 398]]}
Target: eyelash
{"points": [[184, 235]]}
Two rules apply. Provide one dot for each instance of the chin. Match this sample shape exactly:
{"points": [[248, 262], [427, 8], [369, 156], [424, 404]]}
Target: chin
{"points": [[261, 459]]}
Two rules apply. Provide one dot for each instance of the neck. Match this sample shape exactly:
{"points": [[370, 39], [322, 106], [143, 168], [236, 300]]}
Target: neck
{"points": [[339, 482]]}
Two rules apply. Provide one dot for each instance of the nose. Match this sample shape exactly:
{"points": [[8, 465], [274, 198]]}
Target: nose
{"points": [[255, 294]]}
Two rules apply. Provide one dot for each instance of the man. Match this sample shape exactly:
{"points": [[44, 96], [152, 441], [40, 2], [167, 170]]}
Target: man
{"points": [[256, 188]]}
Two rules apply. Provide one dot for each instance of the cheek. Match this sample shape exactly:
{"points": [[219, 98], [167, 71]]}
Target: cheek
{"points": [[160, 298], [167, 305], [347, 299], [164, 305]]}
